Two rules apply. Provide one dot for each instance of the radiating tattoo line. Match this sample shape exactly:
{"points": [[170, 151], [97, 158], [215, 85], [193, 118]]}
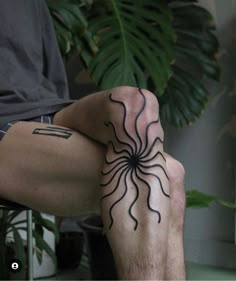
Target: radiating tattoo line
{"points": [[136, 119], [117, 185], [155, 165], [52, 131], [135, 199], [113, 161], [104, 184], [118, 152], [134, 159], [124, 119], [150, 150], [113, 205], [114, 130], [155, 155], [151, 174], [146, 134], [148, 197], [113, 168]]}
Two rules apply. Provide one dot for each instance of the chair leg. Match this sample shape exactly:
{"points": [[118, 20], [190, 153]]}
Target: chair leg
{"points": [[30, 244]]}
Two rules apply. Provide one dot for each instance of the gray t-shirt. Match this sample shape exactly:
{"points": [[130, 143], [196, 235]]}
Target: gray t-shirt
{"points": [[33, 81]]}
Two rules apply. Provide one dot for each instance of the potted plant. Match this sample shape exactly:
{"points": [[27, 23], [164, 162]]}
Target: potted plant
{"points": [[16, 246], [71, 244], [101, 261], [167, 47]]}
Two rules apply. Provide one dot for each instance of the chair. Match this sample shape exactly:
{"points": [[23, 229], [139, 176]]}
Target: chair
{"points": [[9, 205]]}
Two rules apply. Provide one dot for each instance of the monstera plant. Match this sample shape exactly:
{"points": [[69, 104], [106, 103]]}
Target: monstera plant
{"points": [[164, 46]]}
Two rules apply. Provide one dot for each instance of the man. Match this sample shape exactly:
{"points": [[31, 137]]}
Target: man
{"points": [[102, 153]]}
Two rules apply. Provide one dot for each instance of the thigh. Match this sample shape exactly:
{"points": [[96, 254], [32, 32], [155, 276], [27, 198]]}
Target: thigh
{"points": [[42, 165]]}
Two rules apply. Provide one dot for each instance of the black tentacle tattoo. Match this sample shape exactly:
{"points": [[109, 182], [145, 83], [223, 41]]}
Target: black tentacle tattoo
{"points": [[149, 195], [155, 165], [133, 161], [113, 205], [124, 119], [118, 152], [146, 135], [151, 174], [136, 119], [113, 161], [114, 130], [104, 184], [155, 155], [117, 185], [135, 199]]}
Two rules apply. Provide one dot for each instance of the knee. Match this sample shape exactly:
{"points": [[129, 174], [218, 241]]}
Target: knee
{"points": [[176, 170], [132, 109], [134, 98]]}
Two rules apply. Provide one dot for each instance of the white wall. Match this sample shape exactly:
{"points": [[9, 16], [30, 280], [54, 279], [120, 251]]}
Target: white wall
{"points": [[209, 160]]}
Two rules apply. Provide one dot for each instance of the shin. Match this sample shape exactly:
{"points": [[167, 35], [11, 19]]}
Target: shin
{"points": [[135, 188]]}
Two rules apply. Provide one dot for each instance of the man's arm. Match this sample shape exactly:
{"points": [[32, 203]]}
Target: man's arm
{"points": [[54, 69]]}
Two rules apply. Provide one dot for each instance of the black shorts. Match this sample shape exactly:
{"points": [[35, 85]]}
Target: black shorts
{"points": [[48, 119]]}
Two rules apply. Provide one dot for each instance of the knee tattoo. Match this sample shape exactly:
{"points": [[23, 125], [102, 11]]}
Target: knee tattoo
{"points": [[133, 160]]}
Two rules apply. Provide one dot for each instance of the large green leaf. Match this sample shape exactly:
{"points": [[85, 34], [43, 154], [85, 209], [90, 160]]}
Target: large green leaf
{"points": [[40, 224], [38, 246], [185, 97], [45, 246], [49, 225], [11, 215], [135, 42]]}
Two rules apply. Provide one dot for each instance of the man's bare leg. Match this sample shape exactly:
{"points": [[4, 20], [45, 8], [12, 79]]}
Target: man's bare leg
{"points": [[135, 192], [135, 188], [175, 265], [41, 171], [50, 169]]}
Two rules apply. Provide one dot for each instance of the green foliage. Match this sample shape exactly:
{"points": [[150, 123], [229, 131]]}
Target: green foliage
{"points": [[197, 199], [41, 245], [8, 226], [71, 26], [135, 42], [196, 56], [165, 46]]}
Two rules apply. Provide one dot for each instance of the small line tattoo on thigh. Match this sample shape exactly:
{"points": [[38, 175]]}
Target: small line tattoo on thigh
{"points": [[54, 132]]}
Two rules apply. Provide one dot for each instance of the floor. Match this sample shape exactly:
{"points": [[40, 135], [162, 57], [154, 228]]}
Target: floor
{"points": [[206, 272], [194, 272]]}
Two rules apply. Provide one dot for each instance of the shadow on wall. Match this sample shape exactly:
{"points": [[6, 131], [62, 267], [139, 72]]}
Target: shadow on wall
{"points": [[80, 83], [228, 55]]}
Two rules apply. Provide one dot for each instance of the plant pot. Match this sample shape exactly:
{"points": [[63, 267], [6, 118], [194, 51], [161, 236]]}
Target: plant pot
{"points": [[70, 246], [100, 256]]}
